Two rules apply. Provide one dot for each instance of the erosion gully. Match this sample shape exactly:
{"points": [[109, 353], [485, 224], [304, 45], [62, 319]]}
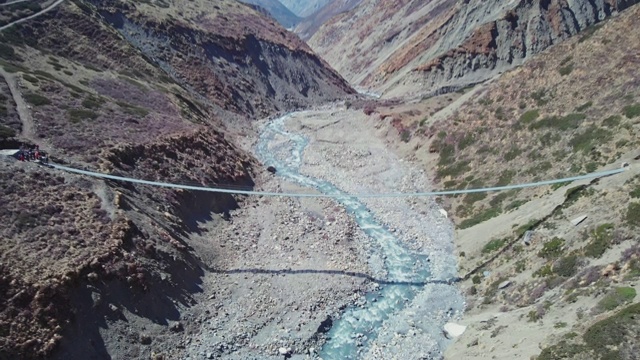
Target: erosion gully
{"points": [[409, 273]]}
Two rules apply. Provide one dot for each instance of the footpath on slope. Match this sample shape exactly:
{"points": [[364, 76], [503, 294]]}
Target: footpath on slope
{"points": [[47, 9]]}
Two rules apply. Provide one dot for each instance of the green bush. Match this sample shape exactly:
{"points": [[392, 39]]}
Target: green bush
{"points": [[566, 70], [31, 79], [616, 297], [476, 279], [540, 97], [77, 115], [567, 122], [6, 132], [590, 138], [472, 198], [600, 241], [605, 336], [405, 136], [513, 153], [552, 249], [612, 121], [455, 169], [493, 245], [92, 102], [480, 217], [635, 193], [566, 266], [584, 106], [7, 52], [530, 116], [633, 214], [544, 271], [632, 111], [506, 177], [37, 100]]}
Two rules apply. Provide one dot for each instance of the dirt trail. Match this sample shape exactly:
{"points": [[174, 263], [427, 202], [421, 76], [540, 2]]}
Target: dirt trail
{"points": [[14, 2], [48, 8], [28, 127]]}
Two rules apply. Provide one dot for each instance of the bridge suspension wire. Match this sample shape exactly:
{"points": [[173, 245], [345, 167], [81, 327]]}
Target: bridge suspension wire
{"points": [[339, 195]]}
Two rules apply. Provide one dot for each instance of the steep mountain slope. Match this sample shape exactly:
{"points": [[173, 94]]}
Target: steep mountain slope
{"points": [[419, 47], [145, 90], [280, 12], [552, 268], [270, 69], [304, 8], [307, 27]]}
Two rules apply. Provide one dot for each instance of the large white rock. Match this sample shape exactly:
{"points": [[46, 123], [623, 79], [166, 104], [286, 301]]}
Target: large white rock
{"points": [[444, 212], [454, 330], [578, 220]]}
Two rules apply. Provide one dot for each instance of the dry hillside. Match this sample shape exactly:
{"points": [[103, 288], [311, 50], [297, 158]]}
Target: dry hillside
{"points": [[141, 89], [570, 290], [416, 47]]}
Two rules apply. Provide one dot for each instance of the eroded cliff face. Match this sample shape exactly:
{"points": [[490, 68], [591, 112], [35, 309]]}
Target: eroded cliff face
{"points": [[236, 57], [408, 47]]}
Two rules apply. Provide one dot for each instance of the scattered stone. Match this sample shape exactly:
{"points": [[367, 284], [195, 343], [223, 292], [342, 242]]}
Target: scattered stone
{"points": [[453, 330], [504, 284], [176, 327], [578, 220], [284, 351], [145, 339]]}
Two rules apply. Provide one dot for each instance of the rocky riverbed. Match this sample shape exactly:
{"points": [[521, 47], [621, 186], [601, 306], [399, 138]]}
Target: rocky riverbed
{"points": [[289, 276]]}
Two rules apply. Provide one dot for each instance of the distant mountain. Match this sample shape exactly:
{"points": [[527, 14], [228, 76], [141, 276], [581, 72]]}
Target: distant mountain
{"points": [[307, 27], [276, 9], [304, 8]]}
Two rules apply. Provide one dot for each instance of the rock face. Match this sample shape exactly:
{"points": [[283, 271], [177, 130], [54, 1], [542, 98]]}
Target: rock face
{"points": [[280, 12], [304, 8], [307, 27], [418, 47], [233, 55]]}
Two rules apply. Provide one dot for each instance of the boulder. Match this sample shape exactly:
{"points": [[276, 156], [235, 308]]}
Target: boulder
{"points": [[453, 330], [271, 169], [504, 284], [578, 220]]}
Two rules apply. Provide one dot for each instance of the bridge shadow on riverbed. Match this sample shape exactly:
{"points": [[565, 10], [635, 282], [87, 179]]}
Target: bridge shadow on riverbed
{"points": [[334, 273]]}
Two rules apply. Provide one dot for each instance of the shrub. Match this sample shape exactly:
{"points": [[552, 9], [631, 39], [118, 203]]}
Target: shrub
{"points": [[476, 279], [552, 249], [6, 132], [540, 97], [584, 106], [566, 70], [566, 266], [567, 122], [521, 265], [455, 169], [7, 51], [77, 115], [612, 121], [606, 335], [493, 245], [30, 78], [506, 177], [405, 136], [633, 214], [530, 116], [512, 153], [480, 217], [591, 137], [466, 140], [635, 193], [544, 271], [472, 198], [631, 111], [92, 102], [600, 240], [616, 297], [37, 100]]}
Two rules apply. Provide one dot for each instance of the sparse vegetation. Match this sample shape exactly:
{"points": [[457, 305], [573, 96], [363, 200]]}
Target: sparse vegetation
{"points": [[566, 266], [570, 121], [633, 214], [612, 121], [480, 217], [77, 115], [584, 106], [566, 70], [493, 245], [631, 111], [6, 132], [606, 336], [552, 249], [36, 99], [616, 297], [590, 138], [530, 116], [600, 241]]}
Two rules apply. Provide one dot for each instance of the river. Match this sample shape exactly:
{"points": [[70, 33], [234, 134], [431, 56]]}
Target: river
{"points": [[411, 281]]}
